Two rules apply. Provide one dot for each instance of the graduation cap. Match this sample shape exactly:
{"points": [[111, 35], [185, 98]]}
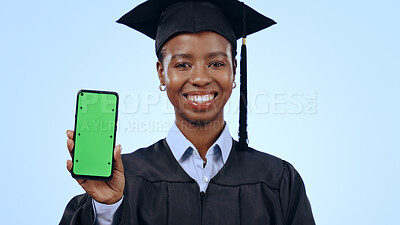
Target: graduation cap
{"points": [[232, 19]]}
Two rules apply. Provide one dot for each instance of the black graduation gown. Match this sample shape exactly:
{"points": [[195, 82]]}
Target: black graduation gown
{"points": [[252, 188]]}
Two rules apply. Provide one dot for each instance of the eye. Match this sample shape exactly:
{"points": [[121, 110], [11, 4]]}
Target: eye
{"points": [[217, 64], [182, 65]]}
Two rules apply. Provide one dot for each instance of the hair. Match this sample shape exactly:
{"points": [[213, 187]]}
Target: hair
{"points": [[161, 54]]}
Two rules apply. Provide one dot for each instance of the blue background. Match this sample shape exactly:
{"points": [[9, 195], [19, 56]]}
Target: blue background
{"points": [[323, 95]]}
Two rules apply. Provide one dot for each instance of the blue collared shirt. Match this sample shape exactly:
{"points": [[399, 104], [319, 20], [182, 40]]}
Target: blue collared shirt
{"points": [[188, 156]]}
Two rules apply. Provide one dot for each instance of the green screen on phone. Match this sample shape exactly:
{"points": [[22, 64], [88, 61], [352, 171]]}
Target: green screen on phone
{"points": [[95, 129]]}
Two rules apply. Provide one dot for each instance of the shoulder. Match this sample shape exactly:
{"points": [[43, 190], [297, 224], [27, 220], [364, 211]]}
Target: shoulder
{"points": [[252, 166], [153, 163], [262, 159], [142, 154], [141, 160]]}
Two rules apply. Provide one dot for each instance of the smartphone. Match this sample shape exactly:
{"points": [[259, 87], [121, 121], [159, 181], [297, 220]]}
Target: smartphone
{"points": [[94, 137]]}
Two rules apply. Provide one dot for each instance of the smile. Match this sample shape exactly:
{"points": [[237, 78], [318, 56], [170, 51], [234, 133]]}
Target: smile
{"points": [[199, 99]]}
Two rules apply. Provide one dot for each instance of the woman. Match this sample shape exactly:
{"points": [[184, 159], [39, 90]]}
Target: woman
{"points": [[198, 174]]}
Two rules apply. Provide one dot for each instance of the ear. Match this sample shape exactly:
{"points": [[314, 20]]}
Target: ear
{"points": [[160, 71]]}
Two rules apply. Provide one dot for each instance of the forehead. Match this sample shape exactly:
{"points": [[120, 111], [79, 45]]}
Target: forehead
{"points": [[201, 41]]}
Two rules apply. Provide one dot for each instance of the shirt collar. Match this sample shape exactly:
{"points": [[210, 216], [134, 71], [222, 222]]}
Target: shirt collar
{"points": [[178, 143]]}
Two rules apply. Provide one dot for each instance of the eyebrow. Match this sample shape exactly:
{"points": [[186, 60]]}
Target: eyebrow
{"points": [[181, 55], [213, 54], [210, 55]]}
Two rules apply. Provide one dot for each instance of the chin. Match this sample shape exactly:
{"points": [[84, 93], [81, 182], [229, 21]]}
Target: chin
{"points": [[202, 118], [199, 123]]}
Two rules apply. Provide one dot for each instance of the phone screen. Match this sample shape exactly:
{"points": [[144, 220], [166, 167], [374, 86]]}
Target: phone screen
{"points": [[94, 137]]}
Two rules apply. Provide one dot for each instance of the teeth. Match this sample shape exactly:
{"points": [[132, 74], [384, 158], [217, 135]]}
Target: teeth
{"points": [[200, 98]]}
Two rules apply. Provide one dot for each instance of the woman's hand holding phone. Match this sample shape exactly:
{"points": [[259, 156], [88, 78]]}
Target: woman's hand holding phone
{"points": [[106, 192]]}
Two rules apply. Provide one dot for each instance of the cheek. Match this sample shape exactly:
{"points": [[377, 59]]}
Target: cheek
{"points": [[226, 82], [174, 81]]}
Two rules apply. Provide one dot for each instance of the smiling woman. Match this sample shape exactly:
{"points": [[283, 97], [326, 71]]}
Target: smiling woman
{"points": [[198, 174], [198, 71]]}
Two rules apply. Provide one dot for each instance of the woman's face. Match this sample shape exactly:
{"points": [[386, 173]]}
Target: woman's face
{"points": [[198, 71]]}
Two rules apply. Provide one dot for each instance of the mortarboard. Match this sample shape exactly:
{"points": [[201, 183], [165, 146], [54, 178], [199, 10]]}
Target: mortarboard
{"points": [[232, 19]]}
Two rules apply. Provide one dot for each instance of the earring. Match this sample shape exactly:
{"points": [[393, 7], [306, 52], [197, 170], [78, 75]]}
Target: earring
{"points": [[162, 87], [233, 85]]}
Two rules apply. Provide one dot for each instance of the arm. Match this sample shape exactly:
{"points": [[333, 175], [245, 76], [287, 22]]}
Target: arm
{"points": [[106, 214], [84, 210], [80, 209], [295, 204]]}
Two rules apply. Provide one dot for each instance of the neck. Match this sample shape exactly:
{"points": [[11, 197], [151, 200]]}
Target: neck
{"points": [[201, 134]]}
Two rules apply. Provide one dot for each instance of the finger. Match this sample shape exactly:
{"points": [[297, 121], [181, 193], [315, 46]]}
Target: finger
{"points": [[69, 168], [117, 159], [70, 134], [70, 146], [81, 182], [69, 165]]}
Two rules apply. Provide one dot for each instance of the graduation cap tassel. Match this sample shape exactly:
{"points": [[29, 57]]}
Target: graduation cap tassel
{"points": [[243, 98], [243, 140]]}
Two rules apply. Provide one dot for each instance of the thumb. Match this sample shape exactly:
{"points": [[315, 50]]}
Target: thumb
{"points": [[117, 159]]}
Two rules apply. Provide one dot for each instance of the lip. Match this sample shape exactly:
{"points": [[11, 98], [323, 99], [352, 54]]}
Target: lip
{"points": [[200, 106]]}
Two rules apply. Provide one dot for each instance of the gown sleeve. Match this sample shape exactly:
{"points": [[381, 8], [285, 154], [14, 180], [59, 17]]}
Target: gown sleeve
{"points": [[79, 211], [295, 204]]}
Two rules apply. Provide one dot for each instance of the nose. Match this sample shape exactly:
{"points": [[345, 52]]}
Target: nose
{"points": [[200, 77]]}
